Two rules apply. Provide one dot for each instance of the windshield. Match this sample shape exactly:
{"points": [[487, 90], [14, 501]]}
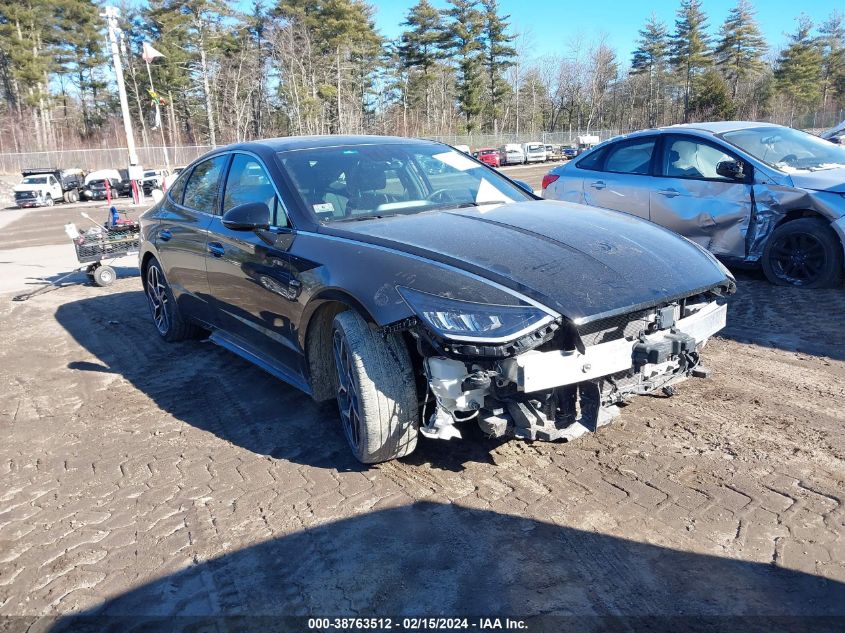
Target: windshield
{"points": [[371, 181], [788, 150], [34, 180]]}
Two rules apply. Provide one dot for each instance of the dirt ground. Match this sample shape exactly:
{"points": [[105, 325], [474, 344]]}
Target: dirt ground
{"points": [[146, 479]]}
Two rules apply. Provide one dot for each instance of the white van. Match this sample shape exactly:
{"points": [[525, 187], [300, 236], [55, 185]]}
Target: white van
{"points": [[535, 152]]}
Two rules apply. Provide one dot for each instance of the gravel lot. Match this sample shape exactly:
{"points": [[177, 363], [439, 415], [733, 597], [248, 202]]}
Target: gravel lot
{"points": [[147, 479]]}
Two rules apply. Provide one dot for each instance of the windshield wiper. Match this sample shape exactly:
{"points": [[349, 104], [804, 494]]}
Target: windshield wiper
{"points": [[361, 218], [469, 203]]}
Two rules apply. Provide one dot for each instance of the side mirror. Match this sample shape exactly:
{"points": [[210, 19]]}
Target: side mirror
{"points": [[731, 169], [524, 185], [247, 217]]}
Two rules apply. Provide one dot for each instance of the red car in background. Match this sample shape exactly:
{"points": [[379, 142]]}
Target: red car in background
{"points": [[488, 156]]}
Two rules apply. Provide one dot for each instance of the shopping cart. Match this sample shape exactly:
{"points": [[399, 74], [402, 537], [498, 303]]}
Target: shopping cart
{"points": [[101, 244], [97, 247]]}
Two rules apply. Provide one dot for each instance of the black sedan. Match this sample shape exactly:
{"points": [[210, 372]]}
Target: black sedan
{"points": [[421, 298]]}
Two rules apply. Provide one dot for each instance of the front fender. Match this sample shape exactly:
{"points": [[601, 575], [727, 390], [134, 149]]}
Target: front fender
{"points": [[838, 227], [365, 276]]}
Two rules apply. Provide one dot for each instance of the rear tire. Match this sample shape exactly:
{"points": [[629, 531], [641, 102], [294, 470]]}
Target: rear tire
{"points": [[377, 394], [804, 253], [171, 325]]}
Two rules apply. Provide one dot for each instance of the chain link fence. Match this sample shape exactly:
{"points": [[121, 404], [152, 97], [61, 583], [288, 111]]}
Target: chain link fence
{"points": [[476, 141], [154, 157], [91, 159]]}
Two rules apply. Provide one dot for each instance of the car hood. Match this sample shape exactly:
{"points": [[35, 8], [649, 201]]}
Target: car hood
{"points": [[22, 188], [832, 180], [583, 262]]}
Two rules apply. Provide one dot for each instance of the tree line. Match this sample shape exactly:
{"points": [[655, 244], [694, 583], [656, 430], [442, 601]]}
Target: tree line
{"points": [[322, 66]]}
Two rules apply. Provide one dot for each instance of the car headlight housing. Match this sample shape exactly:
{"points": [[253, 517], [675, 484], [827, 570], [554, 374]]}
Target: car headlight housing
{"points": [[468, 321]]}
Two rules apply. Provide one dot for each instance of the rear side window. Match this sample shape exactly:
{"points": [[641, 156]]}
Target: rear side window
{"points": [[202, 188], [630, 157], [177, 189], [592, 160], [248, 181]]}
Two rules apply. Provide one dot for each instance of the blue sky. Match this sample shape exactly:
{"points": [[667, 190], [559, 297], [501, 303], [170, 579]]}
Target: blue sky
{"points": [[554, 23]]}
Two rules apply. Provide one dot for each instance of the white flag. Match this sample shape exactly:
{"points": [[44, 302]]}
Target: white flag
{"points": [[148, 53]]}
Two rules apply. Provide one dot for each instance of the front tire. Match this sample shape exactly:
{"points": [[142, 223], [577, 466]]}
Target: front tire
{"points": [[376, 390], [48, 201], [803, 253], [167, 317]]}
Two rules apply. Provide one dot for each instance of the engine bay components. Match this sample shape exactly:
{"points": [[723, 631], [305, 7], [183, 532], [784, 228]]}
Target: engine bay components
{"points": [[548, 393]]}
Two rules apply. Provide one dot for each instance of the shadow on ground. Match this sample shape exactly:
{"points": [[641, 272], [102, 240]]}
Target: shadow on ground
{"points": [[791, 319], [215, 391], [43, 285], [434, 559]]}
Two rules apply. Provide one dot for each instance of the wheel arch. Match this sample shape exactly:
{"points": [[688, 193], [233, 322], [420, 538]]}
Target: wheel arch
{"points": [[797, 214], [146, 258], [315, 337]]}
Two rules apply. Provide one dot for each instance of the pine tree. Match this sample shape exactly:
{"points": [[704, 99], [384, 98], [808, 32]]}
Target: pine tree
{"points": [[28, 37], [650, 58], [343, 49], [498, 57], [466, 27], [421, 45], [690, 47], [739, 52], [712, 101], [799, 67], [832, 41], [81, 58], [420, 50], [189, 33]]}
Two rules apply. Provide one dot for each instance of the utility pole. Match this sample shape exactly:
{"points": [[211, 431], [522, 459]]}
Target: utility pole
{"points": [[111, 14]]}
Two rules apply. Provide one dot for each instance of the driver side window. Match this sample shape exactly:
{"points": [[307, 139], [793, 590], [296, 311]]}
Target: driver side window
{"points": [[688, 157], [248, 181]]}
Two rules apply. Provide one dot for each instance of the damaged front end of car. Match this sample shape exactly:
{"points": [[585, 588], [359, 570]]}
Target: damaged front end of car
{"points": [[527, 372]]}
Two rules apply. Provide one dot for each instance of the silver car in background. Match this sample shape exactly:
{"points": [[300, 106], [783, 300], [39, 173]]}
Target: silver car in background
{"points": [[511, 154], [751, 193]]}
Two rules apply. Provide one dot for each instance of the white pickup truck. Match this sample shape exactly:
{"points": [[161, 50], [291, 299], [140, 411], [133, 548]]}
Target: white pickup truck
{"points": [[44, 187]]}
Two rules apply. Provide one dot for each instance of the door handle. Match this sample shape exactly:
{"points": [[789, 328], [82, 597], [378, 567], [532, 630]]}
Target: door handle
{"points": [[216, 249], [669, 193], [165, 235], [598, 184]]}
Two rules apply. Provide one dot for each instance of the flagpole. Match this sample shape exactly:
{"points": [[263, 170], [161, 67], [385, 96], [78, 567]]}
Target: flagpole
{"points": [[158, 112]]}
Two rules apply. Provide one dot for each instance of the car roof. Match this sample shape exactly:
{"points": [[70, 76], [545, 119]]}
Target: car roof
{"points": [[719, 127], [287, 143], [711, 127]]}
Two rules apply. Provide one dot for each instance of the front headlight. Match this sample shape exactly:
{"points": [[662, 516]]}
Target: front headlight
{"points": [[468, 321]]}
